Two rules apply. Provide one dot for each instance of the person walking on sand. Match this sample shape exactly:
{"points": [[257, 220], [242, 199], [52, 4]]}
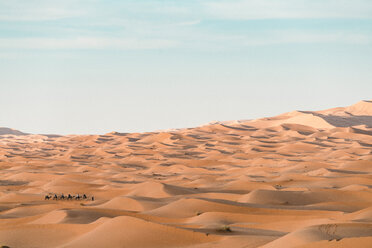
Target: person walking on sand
{"points": [[47, 197], [69, 197], [92, 198], [62, 196], [55, 197]]}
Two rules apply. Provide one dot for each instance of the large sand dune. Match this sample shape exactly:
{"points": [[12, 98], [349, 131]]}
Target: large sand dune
{"points": [[300, 179]]}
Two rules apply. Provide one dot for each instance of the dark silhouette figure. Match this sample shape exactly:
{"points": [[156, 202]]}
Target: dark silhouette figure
{"points": [[68, 197]]}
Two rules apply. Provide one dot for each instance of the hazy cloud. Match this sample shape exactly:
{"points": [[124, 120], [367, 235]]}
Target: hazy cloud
{"points": [[289, 9], [39, 10], [155, 24], [85, 43]]}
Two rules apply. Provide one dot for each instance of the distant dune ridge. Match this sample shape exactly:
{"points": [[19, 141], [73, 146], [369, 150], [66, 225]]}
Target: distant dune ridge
{"points": [[299, 179], [9, 131]]}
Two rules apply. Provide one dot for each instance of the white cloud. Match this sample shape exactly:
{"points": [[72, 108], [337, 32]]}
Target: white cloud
{"points": [[204, 41], [158, 27], [289, 9], [298, 36], [38, 10], [85, 43], [39, 15], [188, 23], [302, 37], [212, 41]]}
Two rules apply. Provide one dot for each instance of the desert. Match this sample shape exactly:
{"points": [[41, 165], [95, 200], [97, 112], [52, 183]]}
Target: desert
{"points": [[299, 179]]}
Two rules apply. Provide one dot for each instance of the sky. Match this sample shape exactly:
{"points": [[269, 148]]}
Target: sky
{"points": [[97, 66]]}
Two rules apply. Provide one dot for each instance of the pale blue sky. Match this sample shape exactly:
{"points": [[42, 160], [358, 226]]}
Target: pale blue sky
{"points": [[79, 66]]}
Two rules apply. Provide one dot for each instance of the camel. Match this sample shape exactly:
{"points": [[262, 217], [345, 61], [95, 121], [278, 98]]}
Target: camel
{"points": [[68, 197]]}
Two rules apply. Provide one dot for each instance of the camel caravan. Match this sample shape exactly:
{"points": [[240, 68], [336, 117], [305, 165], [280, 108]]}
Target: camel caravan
{"points": [[68, 197]]}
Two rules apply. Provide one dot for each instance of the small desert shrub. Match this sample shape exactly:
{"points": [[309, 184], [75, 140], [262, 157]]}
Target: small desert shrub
{"points": [[224, 229], [198, 213]]}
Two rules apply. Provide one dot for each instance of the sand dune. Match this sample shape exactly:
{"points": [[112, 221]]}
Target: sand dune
{"points": [[326, 232], [9, 131], [300, 179], [125, 231]]}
